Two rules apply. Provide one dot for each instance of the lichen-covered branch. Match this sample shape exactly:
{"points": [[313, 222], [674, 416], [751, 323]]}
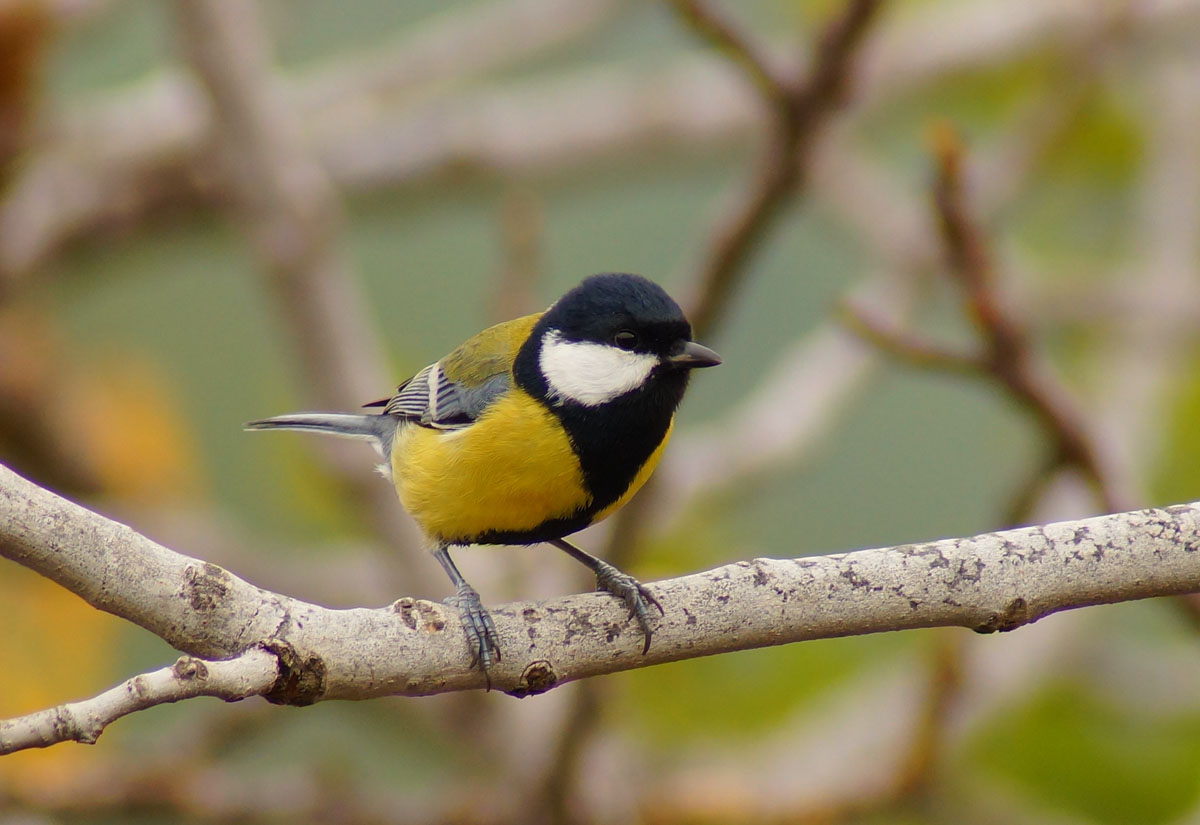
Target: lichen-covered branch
{"points": [[995, 581]]}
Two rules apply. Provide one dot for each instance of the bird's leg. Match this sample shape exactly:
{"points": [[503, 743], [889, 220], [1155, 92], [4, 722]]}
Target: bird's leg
{"points": [[477, 623], [637, 596]]}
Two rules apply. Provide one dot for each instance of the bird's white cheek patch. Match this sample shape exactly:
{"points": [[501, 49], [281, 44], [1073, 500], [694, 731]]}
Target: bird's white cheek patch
{"points": [[591, 374]]}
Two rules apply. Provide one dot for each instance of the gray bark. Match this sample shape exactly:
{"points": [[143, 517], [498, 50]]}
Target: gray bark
{"points": [[995, 581]]}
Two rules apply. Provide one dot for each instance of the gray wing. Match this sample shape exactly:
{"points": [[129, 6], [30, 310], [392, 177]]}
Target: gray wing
{"points": [[431, 399]]}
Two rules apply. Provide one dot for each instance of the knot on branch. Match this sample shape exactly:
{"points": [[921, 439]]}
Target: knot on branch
{"points": [[205, 586], [301, 678], [1014, 614], [420, 613], [537, 677], [187, 668]]}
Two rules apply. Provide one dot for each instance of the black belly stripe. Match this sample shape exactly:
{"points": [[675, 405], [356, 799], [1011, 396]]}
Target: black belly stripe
{"points": [[552, 529], [612, 442]]}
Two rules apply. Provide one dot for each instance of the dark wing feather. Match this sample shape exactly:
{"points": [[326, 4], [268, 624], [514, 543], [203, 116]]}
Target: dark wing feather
{"points": [[431, 399], [455, 391]]}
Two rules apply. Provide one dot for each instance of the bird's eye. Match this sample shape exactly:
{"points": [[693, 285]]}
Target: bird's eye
{"points": [[625, 339]]}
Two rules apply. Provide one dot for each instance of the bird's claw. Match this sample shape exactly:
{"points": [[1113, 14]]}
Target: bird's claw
{"points": [[637, 597], [482, 637]]}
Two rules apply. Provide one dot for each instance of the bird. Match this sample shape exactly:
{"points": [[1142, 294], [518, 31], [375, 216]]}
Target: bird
{"points": [[532, 430]]}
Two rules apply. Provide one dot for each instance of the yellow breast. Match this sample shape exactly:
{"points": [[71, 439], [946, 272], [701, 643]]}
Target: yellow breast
{"points": [[510, 471]]}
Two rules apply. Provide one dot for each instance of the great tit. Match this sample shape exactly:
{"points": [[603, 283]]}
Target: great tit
{"points": [[534, 429]]}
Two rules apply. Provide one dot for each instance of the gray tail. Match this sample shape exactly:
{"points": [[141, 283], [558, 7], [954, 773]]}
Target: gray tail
{"points": [[379, 428]]}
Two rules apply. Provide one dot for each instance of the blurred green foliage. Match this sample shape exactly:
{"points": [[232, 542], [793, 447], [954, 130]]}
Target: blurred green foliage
{"points": [[1069, 750]]}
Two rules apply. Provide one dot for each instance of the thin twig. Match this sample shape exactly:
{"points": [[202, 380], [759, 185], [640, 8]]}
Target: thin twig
{"points": [[800, 397], [1024, 503], [522, 225], [800, 401], [251, 673], [559, 783], [292, 213], [798, 111], [904, 345], [945, 678], [738, 45], [1009, 354], [26, 30]]}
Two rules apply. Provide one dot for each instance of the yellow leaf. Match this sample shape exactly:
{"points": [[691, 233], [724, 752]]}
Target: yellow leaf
{"points": [[57, 648]]}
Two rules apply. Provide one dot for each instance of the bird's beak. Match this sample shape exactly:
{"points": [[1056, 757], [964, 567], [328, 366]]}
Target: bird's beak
{"points": [[693, 356]]}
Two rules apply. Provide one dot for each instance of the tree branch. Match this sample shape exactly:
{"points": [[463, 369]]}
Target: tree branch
{"points": [[799, 401], [800, 106], [293, 216], [904, 345], [799, 109], [1009, 354], [289, 207], [117, 157], [737, 44], [996, 581], [251, 673]]}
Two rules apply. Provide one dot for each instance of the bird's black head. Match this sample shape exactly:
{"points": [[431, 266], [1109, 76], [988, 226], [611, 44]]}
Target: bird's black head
{"points": [[613, 335], [611, 360]]}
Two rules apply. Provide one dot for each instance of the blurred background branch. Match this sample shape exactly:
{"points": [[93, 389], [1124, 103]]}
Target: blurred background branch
{"points": [[65, 190], [293, 218], [465, 162], [1006, 352]]}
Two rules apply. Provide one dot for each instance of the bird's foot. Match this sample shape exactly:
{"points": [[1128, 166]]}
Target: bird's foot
{"points": [[637, 596], [477, 624]]}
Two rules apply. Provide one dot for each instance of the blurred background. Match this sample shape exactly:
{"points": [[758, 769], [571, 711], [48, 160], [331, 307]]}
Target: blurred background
{"points": [[216, 211]]}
